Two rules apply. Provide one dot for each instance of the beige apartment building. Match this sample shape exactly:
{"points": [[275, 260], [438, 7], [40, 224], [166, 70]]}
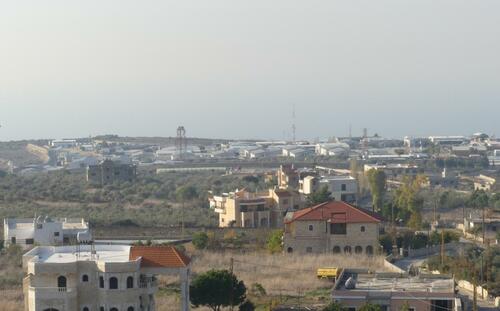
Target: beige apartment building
{"points": [[333, 227], [100, 278], [244, 209]]}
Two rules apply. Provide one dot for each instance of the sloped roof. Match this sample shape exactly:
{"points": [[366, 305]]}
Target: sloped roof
{"points": [[325, 210], [159, 256]]}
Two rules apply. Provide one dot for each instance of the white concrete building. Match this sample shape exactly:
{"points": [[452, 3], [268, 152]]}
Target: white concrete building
{"points": [[342, 188], [100, 278], [27, 232], [332, 149]]}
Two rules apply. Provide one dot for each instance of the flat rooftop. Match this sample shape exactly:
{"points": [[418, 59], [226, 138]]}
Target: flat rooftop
{"points": [[68, 254], [382, 283]]}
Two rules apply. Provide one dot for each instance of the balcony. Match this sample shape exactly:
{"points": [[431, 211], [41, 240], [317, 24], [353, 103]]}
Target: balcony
{"points": [[53, 292]]}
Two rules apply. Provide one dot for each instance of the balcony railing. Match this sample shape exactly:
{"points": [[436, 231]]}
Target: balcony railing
{"points": [[53, 292]]}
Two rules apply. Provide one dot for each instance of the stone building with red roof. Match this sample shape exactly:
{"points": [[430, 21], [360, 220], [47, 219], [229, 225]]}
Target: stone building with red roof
{"points": [[333, 228]]}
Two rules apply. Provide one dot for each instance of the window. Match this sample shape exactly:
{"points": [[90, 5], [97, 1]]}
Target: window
{"points": [[61, 281], [85, 309], [358, 249], [101, 282], [39, 226], [369, 250], [336, 250], [351, 309], [30, 241], [113, 283], [289, 250], [130, 282], [132, 309], [101, 309], [338, 228], [309, 249], [113, 309], [363, 229], [311, 227], [347, 249], [285, 201], [56, 233], [85, 278], [343, 187], [13, 240]]}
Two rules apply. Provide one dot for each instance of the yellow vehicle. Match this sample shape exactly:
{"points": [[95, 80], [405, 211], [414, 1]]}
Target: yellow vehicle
{"points": [[328, 273]]}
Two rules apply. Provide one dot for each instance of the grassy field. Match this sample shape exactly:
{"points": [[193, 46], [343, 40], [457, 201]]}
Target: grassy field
{"points": [[289, 280]]}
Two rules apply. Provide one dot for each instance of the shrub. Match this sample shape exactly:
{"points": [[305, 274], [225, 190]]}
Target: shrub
{"points": [[200, 240]]}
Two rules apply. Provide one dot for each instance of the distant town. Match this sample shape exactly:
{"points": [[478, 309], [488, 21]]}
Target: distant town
{"points": [[357, 223]]}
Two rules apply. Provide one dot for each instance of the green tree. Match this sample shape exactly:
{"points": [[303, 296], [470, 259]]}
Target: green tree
{"points": [[319, 196], [200, 240], [478, 199], [216, 289], [274, 241], [377, 181], [247, 306], [334, 306], [370, 307]]}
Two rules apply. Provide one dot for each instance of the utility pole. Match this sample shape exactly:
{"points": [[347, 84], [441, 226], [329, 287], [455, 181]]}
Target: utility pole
{"points": [[442, 248], [231, 268], [483, 228], [474, 283]]}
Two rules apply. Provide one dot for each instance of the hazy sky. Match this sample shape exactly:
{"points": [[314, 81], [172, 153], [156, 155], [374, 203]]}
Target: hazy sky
{"points": [[235, 68]]}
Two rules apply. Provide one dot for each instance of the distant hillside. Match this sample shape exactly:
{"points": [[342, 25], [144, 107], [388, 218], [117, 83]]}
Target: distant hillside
{"points": [[18, 153]]}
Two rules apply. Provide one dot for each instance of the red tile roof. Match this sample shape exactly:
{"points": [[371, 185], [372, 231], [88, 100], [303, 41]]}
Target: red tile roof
{"points": [[325, 211], [159, 256]]}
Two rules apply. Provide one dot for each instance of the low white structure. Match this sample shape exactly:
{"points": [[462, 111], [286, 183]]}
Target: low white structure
{"points": [[64, 143], [332, 149], [342, 188], [27, 232], [100, 278]]}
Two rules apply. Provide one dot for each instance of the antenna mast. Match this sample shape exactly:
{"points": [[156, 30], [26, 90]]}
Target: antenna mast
{"points": [[294, 128]]}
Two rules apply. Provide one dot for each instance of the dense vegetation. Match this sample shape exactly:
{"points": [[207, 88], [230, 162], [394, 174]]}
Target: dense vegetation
{"points": [[153, 200]]}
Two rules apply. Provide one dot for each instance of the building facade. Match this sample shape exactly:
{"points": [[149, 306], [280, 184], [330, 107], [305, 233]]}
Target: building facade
{"points": [[42, 231], [333, 227], [100, 278], [342, 188], [243, 209], [108, 172]]}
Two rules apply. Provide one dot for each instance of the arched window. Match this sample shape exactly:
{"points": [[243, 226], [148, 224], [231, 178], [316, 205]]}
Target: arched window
{"points": [[311, 227], [369, 250], [61, 281], [289, 250], [85, 278], [85, 309], [363, 229], [130, 282], [113, 284], [347, 249], [101, 309], [101, 282], [336, 250], [50, 309], [358, 249], [130, 309], [113, 309]]}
